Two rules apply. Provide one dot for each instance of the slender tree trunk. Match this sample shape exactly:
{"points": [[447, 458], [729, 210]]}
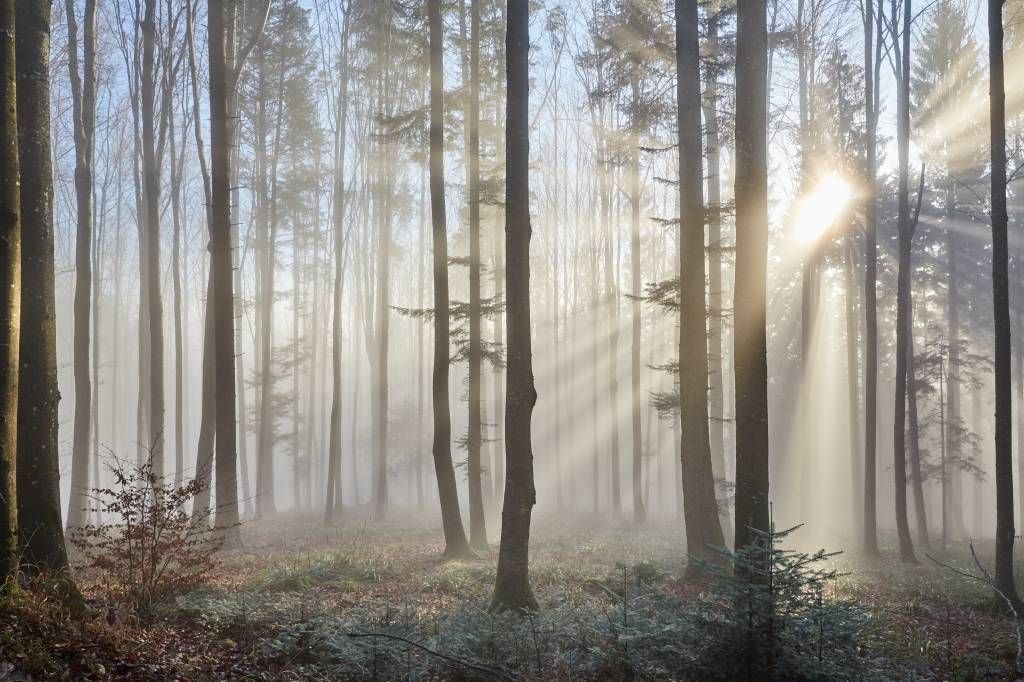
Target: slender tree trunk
{"points": [[83, 97], [456, 543], [1004, 579], [636, 400], [852, 362], [903, 294], [920, 513], [334, 480], [749, 336], [38, 467], [870, 541], [700, 507], [477, 523], [716, 402], [512, 582], [953, 419]]}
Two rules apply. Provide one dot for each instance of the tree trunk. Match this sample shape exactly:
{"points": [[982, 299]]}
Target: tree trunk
{"points": [[870, 541], [220, 273], [1004, 580], [639, 513], [920, 514], [512, 582], [456, 544], [903, 295], [477, 523], [38, 466], [750, 337], [83, 98], [10, 284], [700, 508], [334, 490]]}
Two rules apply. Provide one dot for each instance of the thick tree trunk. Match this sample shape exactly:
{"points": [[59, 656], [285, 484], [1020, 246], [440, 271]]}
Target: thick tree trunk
{"points": [[10, 284], [83, 98], [456, 543], [1004, 579], [220, 266], [750, 337], [700, 508], [512, 582], [38, 467]]}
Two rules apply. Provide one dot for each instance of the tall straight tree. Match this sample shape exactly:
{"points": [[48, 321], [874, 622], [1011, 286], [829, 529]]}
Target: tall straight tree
{"points": [[455, 540], [333, 501], [870, 541], [10, 284], [512, 581], [1004, 581], [750, 343], [151, 195], [700, 508], [38, 466], [903, 289], [221, 271], [83, 112], [477, 525]]}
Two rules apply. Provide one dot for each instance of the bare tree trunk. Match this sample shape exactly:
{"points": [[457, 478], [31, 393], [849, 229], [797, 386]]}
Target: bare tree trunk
{"points": [[220, 273], [38, 466], [477, 523], [639, 513], [1004, 579], [703, 527], [83, 97], [512, 582], [454, 534], [870, 542], [750, 336], [10, 281], [903, 294], [920, 514]]}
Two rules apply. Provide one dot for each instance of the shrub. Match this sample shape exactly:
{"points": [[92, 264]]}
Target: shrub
{"points": [[146, 543]]}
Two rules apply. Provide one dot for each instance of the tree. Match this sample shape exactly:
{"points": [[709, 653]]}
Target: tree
{"points": [[512, 581], [870, 542], [700, 507], [477, 523], [38, 466], [903, 309], [750, 335], [456, 543], [1004, 579], [10, 284], [83, 112]]}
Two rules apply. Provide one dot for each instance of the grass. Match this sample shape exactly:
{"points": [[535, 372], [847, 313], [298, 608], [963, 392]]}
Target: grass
{"points": [[614, 606]]}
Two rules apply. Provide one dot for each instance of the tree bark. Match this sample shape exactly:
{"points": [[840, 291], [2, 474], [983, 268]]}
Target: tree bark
{"points": [[10, 284], [83, 98], [226, 517], [903, 284], [700, 508], [1004, 580], [750, 338], [456, 544], [512, 582], [38, 467]]}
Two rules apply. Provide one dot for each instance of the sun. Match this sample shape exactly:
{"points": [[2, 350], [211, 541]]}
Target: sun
{"points": [[818, 211]]}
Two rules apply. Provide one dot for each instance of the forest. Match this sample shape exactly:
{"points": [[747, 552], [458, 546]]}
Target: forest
{"points": [[511, 339]]}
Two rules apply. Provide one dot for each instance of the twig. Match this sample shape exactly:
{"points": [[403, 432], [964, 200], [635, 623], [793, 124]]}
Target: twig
{"points": [[451, 659]]}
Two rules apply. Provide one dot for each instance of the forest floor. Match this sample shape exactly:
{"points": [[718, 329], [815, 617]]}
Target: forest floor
{"points": [[286, 605]]}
